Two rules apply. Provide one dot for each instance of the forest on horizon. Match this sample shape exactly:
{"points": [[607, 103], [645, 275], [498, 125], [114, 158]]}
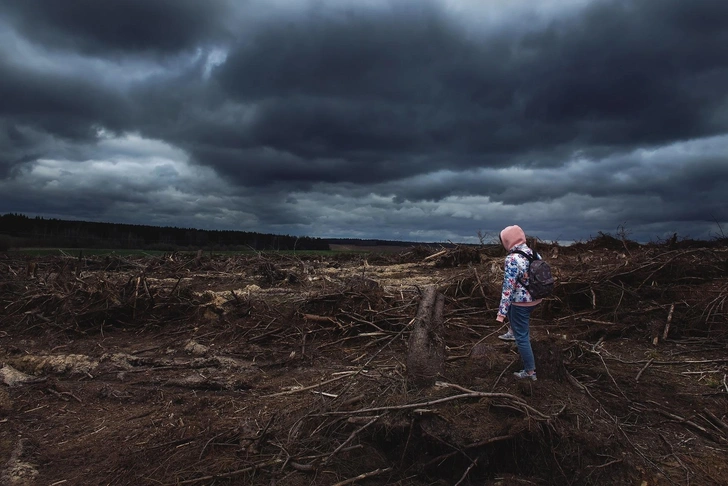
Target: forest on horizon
{"points": [[19, 230]]}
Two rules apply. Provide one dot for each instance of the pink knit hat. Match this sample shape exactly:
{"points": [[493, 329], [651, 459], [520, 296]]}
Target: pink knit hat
{"points": [[512, 236]]}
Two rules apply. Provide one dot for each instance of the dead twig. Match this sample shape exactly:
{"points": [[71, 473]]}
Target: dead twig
{"points": [[306, 388], [362, 367], [230, 474], [376, 472], [467, 471], [434, 255], [519, 403], [62, 395], [595, 321], [319, 456], [717, 421], [637, 378], [615, 461], [315, 318], [685, 421], [667, 324], [495, 383], [489, 441], [350, 438], [480, 284]]}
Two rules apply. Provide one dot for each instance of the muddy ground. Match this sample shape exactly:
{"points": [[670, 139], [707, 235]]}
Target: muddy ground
{"points": [[291, 370]]}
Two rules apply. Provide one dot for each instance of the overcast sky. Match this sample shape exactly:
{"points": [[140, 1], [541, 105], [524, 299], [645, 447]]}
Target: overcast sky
{"points": [[406, 120]]}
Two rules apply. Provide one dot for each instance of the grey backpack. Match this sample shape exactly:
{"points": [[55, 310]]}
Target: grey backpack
{"points": [[540, 280]]}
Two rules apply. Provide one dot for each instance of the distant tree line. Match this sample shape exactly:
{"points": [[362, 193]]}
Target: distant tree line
{"points": [[21, 230]]}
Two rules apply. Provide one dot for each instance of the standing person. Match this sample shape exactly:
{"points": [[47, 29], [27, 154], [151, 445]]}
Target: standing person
{"points": [[516, 303]]}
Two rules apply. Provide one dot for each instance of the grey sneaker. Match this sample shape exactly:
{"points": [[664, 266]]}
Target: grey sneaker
{"points": [[523, 374], [507, 336]]}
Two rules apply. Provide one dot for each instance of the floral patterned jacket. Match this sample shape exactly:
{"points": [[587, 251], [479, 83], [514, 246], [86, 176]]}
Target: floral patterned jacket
{"points": [[516, 266]]}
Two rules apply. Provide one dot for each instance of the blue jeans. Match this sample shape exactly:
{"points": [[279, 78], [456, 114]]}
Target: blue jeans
{"points": [[519, 317]]}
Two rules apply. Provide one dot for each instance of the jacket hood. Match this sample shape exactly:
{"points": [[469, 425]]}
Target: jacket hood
{"points": [[512, 236]]}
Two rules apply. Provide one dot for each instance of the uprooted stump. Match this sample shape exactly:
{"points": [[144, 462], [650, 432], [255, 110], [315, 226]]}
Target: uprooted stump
{"points": [[426, 350]]}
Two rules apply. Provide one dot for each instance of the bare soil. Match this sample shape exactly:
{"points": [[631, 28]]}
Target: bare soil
{"points": [[284, 370]]}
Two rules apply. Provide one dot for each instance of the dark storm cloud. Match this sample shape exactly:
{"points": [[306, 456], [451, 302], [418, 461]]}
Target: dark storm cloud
{"points": [[41, 90], [386, 105], [377, 90], [632, 72], [385, 90], [41, 114], [390, 92], [61, 104], [121, 26]]}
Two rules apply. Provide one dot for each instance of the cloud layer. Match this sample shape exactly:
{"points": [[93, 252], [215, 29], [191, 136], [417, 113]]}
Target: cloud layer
{"points": [[416, 120]]}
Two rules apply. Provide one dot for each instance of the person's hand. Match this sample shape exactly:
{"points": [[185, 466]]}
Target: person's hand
{"points": [[500, 318]]}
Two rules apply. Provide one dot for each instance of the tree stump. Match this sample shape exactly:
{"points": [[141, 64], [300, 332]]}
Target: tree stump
{"points": [[426, 350]]}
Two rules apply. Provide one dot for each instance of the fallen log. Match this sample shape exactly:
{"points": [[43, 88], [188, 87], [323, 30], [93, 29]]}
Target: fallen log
{"points": [[426, 349], [434, 255]]}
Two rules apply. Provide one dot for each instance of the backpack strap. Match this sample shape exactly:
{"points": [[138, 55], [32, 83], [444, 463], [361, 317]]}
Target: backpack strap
{"points": [[530, 259], [521, 252]]}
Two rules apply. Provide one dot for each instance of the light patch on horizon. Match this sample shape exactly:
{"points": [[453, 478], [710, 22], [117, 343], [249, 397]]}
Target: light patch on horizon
{"points": [[136, 174]]}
